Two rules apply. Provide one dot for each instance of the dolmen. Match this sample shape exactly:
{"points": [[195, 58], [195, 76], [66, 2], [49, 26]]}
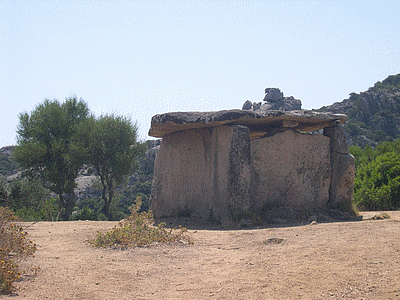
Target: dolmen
{"points": [[228, 163]]}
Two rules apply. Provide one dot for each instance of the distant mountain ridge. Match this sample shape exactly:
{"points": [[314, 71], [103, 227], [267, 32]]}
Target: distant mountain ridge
{"points": [[374, 115]]}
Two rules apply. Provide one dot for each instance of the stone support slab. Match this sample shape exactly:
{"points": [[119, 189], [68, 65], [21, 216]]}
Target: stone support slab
{"points": [[291, 169], [343, 169], [202, 171]]}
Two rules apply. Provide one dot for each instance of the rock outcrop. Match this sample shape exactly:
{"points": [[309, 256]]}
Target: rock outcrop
{"points": [[274, 101], [374, 115], [6, 151]]}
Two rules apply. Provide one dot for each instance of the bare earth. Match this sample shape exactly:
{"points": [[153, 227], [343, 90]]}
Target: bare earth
{"points": [[343, 260]]}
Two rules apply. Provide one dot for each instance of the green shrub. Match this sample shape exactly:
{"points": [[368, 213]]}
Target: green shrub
{"points": [[85, 213], [377, 181]]}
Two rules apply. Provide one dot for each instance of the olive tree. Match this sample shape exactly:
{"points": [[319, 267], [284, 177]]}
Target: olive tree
{"points": [[112, 149], [47, 149]]}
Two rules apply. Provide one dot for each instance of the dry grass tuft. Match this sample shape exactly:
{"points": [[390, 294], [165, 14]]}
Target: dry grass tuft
{"points": [[138, 231]]}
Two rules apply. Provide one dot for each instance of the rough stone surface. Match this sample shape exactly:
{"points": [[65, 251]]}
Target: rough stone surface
{"points": [[343, 169], [286, 104], [247, 105], [84, 187], [374, 114], [282, 212], [343, 172], [273, 95], [203, 171], [291, 169], [338, 139], [274, 101], [256, 105], [259, 122], [7, 150], [239, 170]]}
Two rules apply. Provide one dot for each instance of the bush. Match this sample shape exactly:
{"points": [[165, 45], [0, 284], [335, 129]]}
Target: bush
{"points": [[138, 230], [13, 248], [377, 181], [85, 213]]}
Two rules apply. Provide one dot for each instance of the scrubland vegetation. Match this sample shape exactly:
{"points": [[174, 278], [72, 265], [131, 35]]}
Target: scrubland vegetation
{"points": [[14, 247], [377, 181]]}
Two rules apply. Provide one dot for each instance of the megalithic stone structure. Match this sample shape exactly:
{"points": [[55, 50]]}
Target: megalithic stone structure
{"points": [[224, 163]]}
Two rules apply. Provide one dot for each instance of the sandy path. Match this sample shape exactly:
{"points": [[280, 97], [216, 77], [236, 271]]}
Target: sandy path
{"points": [[347, 260]]}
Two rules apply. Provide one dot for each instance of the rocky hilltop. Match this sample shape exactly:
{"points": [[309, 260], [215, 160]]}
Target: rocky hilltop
{"points": [[374, 115]]}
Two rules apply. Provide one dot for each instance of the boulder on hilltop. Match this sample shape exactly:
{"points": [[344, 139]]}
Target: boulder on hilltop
{"points": [[274, 100]]}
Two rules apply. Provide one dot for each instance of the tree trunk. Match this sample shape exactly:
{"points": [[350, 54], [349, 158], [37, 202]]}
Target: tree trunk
{"points": [[68, 203], [108, 203]]}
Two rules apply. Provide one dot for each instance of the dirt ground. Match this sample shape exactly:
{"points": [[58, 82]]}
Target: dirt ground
{"points": [[341, 260]]}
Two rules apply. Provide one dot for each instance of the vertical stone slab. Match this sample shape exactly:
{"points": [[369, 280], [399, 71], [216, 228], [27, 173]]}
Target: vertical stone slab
{"points": [[342, 185], [221, 146], [338, 139], [182, 173], [239, 171], [202, 171], [343, 169], [291, 169]]}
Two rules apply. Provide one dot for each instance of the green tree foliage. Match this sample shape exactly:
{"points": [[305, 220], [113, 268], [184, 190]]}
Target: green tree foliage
{"points": [[377, 181], [141, 187], [31, 201], [137, 185], [112, 149], [46, 150]]}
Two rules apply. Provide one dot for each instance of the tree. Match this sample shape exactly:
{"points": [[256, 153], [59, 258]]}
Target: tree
{"points": [[112, 149], [46, 150]]}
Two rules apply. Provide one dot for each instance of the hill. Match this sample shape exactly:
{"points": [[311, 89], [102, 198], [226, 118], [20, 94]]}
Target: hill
{"points": [[374, 115]]}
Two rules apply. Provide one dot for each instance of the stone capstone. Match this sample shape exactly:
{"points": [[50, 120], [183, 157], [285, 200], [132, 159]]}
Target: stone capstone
{"points": [[259, 122]]}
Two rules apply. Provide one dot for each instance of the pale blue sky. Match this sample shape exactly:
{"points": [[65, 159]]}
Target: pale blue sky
{"points": [[140, 58]]}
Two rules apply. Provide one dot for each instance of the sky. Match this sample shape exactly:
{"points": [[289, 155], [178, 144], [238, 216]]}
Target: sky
{"points": [[141, 58]]}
